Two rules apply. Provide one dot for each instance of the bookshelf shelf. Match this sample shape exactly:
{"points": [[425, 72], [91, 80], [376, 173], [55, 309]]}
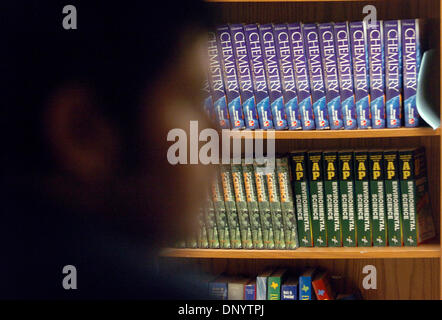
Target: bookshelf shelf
{"points": [[430, 250]]}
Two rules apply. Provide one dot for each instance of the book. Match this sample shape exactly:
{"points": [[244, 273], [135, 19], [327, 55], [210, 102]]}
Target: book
{"points": [[273, 76], [285, 60], [259, 77], [376, 71], [343, 49], [331, 77], [227, 54], [289, 288], [411, 50], [314, 60], [377, 196], [208, 101], [261, 284], [362, 197], [316, 183], [216, 83], [301, 194], [252, 204], [236, 287], [332, 198], [359, 53], [218, 288], [301, 76], [305, 284], [210, 222], [241, 206], [231, 210], [417, 220], [220, 213], [347, 197], [392, 198], [393, 73], [287, 205], [250, 290], [244, 76], [274, 284], [322, 287]]}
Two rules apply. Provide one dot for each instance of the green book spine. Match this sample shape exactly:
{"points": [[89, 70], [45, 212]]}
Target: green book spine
{"points": [[287, 205], [264, 206], [362, 197], [346, 188], [212, 230], [220, 214], [202, 240], [331, 195], [252, 203], [275, 209], [241, 205], [302, 198], [274, 284], [377, 195], [392, 198], [316, 182], [231, 210]]}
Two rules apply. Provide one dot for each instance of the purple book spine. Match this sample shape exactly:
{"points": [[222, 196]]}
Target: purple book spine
{"points": [[244, 76], [273, 77], [358, 40], [345, 75], [312, 48], [233, 94], [216, 83], [331, 77], [284, 54], [377, 82], [254, 51], [410, 32], [393, 73]]}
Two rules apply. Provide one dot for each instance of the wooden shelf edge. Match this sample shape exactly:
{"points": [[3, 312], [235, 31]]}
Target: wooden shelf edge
{"points": [[431, 250]]}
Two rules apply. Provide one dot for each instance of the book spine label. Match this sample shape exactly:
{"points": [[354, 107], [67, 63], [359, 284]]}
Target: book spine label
{"points": [[231, 211], [252, 203], [274, 288], [284, 54], [377, 194], [316, 182], [393, 73], [312, 48], [224, 40], [346, 188], [275, 208], [241, 205], [301, 76], [220, 214], [359, 53], [259, 77], [244, 76], [273, 77], [331, 77], [392, 198], [289, 292], [305, 288], [216, 83], [287, 205], [408, 197], [345, 75], [376, 71], [302, 198], [362, 197], [410, 33], [212, 230], [331, 192], [250, 291]]}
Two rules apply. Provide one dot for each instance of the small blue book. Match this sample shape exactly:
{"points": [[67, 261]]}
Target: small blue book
{"points": [[305, 284], [289, 289]]}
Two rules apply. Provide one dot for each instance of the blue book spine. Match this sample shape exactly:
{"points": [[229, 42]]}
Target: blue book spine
{"points": [[345, 75], [312, 48], [216, 83], [289, 292], [377, 81], [208, 101], [233, 94], [305, 288], [331, 77], [218, 290], [284, 54], [273, 77], [393, 73], [260, 89], [261, 288], [250, 291], [244, 76], [359, 52]]}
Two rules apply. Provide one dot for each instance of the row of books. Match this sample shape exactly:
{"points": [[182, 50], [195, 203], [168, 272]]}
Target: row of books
{"points": [[346, 75], [320, 198], [278, 284]]}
